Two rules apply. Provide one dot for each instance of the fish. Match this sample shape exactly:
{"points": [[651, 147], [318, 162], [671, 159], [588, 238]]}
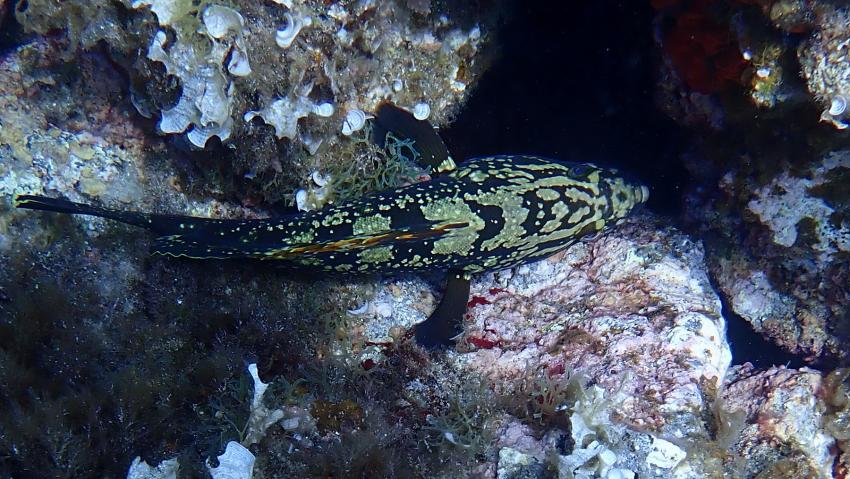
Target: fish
{"points": [[481, 214]]}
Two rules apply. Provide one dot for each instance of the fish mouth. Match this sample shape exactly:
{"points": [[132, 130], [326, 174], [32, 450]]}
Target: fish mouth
{"points": [[642, 194]]}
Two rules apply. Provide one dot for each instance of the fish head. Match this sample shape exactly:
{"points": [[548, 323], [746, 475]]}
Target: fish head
{"points": [[624, 194]]}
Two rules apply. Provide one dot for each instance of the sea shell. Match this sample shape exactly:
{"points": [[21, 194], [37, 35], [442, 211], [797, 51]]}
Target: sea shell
{"points": [[354, 120], [319, 179], [421, 111], [324, 110], [838, 105], [285, 36]]}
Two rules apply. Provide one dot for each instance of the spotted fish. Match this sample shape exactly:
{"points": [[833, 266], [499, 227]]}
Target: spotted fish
{"points": [[487, 213]]}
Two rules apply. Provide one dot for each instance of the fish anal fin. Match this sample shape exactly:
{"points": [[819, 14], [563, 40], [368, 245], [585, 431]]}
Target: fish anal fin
{"points": [[444, 324]]}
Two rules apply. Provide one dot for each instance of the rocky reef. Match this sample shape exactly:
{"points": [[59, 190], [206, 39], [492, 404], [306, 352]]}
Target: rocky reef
{"points": [[612, 359], [263, 71]]}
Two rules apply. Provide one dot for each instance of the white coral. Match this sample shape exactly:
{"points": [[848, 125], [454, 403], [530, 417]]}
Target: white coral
{"points": [[206, 99], [261, 417], [140, 469], [236, 463], [786, 200], [283, 114]]}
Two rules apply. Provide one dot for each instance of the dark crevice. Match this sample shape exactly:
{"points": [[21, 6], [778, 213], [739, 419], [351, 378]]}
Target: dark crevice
{"points": [[11, 33], [747, 345]]}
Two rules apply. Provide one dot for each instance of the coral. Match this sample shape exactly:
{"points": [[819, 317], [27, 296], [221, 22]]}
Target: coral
{"points": [[261, 417], [236, 463], [140, 469], [593, 435], [822, 59]]}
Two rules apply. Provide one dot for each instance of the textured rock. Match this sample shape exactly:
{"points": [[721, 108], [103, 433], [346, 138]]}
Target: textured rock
{"points": [[788, 278], [784, 435], [823, 59], [620, 335], [275, 83], [230, 61], [633, 310]]}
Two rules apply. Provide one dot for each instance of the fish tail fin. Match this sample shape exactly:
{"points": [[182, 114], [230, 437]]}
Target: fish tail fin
{"points": [[160, 224], [182, 236], [56, 205]]}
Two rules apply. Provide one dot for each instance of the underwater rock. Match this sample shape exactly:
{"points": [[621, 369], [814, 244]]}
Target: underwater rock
{"points": [[113, 329], [632, 310], [823, 59], [206, 70], [76, 137], [784, 435], [788, 279], [621, 335]]}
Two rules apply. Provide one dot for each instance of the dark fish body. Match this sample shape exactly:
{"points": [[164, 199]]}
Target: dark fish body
{"points": [[489, 213]]}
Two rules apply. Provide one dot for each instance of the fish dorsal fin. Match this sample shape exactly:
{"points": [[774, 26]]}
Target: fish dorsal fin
{"points": [[390, 119]]}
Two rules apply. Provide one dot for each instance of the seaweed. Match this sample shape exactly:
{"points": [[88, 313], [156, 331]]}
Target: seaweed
{"points": [[96, 369], [468, 420]]}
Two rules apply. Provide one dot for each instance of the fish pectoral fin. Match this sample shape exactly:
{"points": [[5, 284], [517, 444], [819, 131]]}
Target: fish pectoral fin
{"points": [[444, 324]]}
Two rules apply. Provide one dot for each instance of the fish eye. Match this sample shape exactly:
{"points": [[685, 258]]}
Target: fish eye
{"points": [[580, 170]]}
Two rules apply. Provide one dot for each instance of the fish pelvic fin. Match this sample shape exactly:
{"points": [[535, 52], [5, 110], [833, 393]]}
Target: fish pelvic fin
{"points": [[445, 324]]}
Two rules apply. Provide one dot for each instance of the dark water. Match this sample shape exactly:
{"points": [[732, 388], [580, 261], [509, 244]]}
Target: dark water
{"points": [[575, 81]]}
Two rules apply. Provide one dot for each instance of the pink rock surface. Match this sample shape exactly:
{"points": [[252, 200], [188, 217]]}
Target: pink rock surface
{"points": [[632, 310], [785, 415]]}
